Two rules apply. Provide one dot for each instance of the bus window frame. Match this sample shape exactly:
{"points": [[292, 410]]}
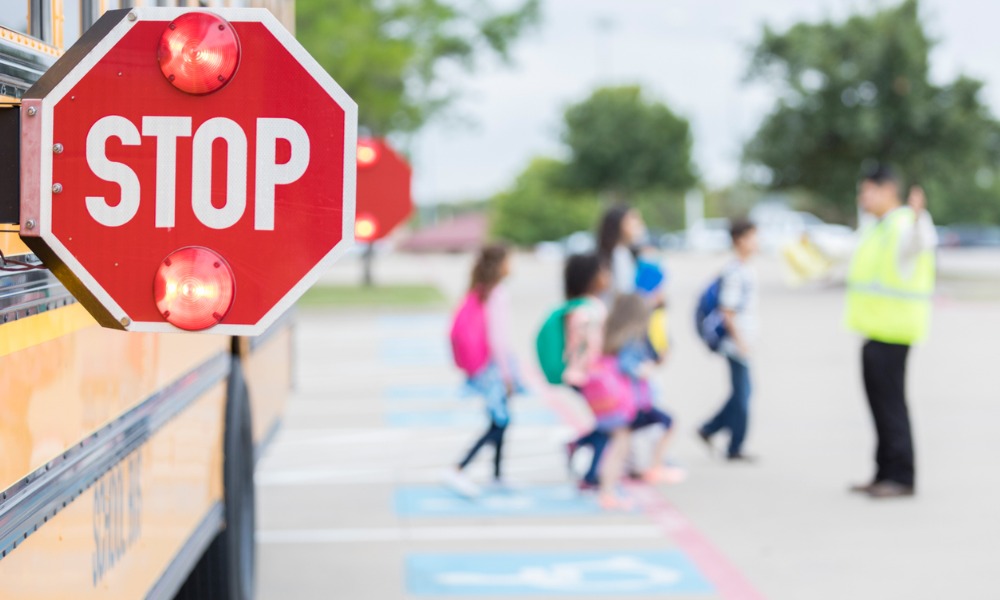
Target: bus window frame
{"points": [[40, 20]]}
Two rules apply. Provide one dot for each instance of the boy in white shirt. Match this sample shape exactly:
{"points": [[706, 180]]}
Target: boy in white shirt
{"points": [[738, 302]]}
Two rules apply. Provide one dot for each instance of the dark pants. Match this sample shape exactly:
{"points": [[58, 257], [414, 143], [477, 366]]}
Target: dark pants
{"points": [[884, 369], [494, 436], [599, 439], [735, 413]]}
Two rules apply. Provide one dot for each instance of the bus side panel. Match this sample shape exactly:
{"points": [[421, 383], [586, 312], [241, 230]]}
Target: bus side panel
{"points": [[118, 537], [268, 371], [63, 377]]}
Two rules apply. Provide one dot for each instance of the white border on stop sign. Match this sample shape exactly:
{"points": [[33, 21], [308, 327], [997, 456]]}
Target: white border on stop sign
{"points": [[325, 81]]}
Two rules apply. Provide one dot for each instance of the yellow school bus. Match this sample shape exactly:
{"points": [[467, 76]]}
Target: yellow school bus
{"points": [[126, 459]]}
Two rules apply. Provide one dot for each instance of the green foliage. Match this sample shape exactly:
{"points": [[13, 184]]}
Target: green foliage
{"points": [[383, 296], [858, 91], [389, 54], [621, 147], [537, 209], [621, 143]]}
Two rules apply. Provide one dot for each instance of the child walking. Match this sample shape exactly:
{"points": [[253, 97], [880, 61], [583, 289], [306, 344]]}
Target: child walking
{"points": [[611, 394], [738, 306], [481, 345], [586, 278]]}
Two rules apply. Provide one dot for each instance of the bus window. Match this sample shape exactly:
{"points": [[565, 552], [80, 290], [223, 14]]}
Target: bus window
{"points": [[72, 22], [14, 15]]}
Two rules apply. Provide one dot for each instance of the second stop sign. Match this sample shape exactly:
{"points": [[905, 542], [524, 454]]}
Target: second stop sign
{"points": [[384, 199], [189, 169]]}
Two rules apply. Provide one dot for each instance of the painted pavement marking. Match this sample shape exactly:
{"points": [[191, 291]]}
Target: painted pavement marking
{"points": [[450, 534], [612, 574], [543, 501]]}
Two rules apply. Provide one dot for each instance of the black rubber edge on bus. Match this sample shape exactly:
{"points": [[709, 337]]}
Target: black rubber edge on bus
{"points": [[10, 165], [77, 52], [227, 569], [30, 503]]}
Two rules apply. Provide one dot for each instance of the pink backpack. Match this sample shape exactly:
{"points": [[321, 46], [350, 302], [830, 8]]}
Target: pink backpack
{"points": [[470, 343], [609, 392]]}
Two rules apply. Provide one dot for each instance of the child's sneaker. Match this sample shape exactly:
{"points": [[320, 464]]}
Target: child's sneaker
{"points": [[664, 474], [500, 485], [614, 502], [461, 485]]}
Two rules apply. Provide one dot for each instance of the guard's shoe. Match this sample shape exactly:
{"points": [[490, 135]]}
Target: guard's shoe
{"points": [[890, 489], [587, 486], [862, 488], [747, 459]]}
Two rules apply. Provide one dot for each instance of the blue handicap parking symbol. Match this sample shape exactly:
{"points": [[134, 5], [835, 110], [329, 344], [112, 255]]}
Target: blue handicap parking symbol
{"points": [[611, 574], [423, 501]]}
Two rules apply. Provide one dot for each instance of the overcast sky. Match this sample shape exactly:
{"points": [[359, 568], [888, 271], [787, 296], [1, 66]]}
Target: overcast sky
{"points": [[692, 54]]}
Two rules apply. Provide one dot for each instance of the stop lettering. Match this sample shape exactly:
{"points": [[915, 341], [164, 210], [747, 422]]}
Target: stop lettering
{"points": [[166, 131], [190, 169]]}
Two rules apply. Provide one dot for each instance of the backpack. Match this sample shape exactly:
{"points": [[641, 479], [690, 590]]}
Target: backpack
{"points": [[550, 343], [609, 392], [470, 343], [708, 320]]}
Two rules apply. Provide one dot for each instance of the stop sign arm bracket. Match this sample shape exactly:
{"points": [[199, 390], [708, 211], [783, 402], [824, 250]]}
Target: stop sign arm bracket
{"points": [[10, 115]]}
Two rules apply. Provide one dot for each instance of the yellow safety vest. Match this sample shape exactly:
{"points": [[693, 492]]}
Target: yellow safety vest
{"points": [[884, 304]]}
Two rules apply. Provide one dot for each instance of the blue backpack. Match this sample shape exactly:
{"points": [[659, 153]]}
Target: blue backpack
{"points": [[708, 318]]}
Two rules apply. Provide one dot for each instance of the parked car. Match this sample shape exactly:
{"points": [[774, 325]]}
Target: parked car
{"points": [[969, 236], [708, 235]]}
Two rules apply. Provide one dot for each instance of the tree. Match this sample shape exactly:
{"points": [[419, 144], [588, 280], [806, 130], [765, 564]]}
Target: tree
{"points": [[622, 143], [537, 209], [389, 55], [858, 91]]}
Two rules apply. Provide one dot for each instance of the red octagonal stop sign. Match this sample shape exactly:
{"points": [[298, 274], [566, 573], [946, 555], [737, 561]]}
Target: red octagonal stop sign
{"points": [[384, 200], [188, 169]]}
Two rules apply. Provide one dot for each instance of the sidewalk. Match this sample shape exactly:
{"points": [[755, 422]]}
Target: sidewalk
{"points": [[343, 495], [351, 506]]}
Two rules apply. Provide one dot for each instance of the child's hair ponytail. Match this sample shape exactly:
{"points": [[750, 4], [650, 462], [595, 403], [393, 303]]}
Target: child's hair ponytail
{"points": [[488, 270]]}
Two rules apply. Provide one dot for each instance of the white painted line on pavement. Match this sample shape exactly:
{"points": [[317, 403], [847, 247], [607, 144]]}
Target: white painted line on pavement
{"points": [[435, 534], [351, 476], [383, 435]]}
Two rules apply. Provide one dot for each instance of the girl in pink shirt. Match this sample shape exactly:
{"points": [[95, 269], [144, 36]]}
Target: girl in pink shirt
{"points": [[497, 380]]}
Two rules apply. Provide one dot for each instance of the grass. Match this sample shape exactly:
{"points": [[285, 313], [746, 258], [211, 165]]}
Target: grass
{"points": [[377, 296]]}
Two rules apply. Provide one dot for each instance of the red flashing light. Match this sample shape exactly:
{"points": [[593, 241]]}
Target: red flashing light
{"points": [[365, 228], [367, 154], [194, 288], [199, 52]]}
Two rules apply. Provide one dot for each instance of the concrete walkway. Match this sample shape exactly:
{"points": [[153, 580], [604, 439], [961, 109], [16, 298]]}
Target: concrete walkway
{"points": [[350, 506]]}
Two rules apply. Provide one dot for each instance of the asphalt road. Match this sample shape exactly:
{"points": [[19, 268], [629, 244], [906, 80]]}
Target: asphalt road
{"points": [[350, 504]]}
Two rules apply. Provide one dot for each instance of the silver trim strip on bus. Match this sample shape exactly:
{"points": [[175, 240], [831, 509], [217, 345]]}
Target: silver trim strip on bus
{"points": [[27, 293], [20, 67], [30, 503]]}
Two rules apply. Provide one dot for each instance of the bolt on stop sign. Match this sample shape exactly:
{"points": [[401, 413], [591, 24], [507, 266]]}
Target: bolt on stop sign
{"points": [[188, 169]]}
